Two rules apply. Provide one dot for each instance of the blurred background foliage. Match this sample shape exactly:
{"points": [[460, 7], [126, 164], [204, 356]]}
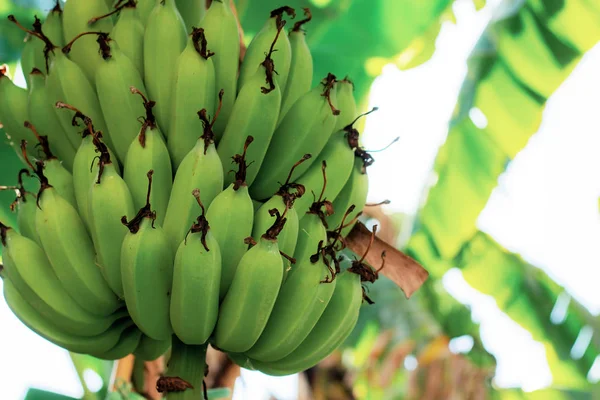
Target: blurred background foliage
{"points": [[400, 348]]}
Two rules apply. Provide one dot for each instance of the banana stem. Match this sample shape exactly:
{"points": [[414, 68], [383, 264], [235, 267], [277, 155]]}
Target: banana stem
{"points": [[189, 364]]}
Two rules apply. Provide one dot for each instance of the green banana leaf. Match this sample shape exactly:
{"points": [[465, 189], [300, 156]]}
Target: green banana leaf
{"points": [[546, 394], [524, 55], [102, 368], [38, 394], [529, 297]]}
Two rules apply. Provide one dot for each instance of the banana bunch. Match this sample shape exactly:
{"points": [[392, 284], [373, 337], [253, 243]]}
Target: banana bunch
{"points": [[171, 193]]}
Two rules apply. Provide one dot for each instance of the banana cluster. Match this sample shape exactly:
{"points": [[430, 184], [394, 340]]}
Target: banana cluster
{"points": [[220, 219]]}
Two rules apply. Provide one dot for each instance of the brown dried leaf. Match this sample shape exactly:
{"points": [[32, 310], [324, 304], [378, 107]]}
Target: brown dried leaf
{"points": [[401, 269]]}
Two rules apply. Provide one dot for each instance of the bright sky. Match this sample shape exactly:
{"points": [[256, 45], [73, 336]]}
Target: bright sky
{"points": [[545, 208]]}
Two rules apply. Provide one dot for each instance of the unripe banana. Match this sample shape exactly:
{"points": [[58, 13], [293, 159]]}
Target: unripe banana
{"points": [[53, 27], [354, 194], [61, 178], [109, 199], [285, 147], [66, 82], [32, 56], [49, 331], [149, 349], [147, 272], [192, 11], [301, 301], [79, 17], [149, 152], [29, 270], [283, 200], [338, 157], [311, 231], [260, 45], [128, 342], [312, 228], [26, 208], [85, 170], [232, 216], [289, 235], [197, 270], [301, 68], [13, 111], [200, 169], [43, 115], [33, 52], [221, 30], [128, 32], [346, 104], [254, 114], [334, 326], [193, 90], [61, 231], [247, 306], [164, 40], [114, 78], [144, 9]]}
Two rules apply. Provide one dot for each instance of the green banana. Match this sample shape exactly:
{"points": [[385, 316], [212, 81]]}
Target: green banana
{"points": [[197, 270], [260, 45], [338, 156], [247, 306], [43, 115], [33, 52], [312, 228], [221, 30], [128, 32], [334, 326], [85, 170], [232, 216], [26, 208], [285, 145], [283, 200], [32, 56], [49, 331], [289, 235], [114, 78], [149, 152], [13, 111], [149, 349], [254, 113], [128, 342], [53, 26], [346, 104], [61, 231], [354, 193], [29, 270], [164, 40], [301, 302], [144, 9], [301, 68], [62, 180], [147, 272], [66, 82], [193, 90], [109, 199], [79, 17], [200, 169], [192, 12]]}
